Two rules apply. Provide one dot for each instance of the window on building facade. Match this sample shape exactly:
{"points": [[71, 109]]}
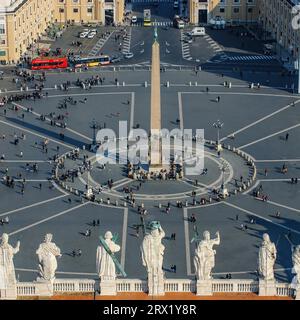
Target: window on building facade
{"points": [[2, 28]]}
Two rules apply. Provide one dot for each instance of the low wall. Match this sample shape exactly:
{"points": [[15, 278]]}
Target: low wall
{"points": [[69, 286]]}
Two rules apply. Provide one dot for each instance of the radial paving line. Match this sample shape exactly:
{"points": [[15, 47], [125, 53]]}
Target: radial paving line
{"points": [[260, 120], [132, 110], [261, 217], [269, 136], [47, 219], [32, 205], [187, 242], [283, 206], [124, 237], [278, 160], [36, 134]]}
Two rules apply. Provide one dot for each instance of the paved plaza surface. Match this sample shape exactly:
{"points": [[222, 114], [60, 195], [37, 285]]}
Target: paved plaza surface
{"points": [[256, 121]]}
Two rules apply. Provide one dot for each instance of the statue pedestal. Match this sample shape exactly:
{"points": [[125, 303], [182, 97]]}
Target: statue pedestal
{"points": [[44, 287], [204, 288], [108, 287], [156, 289], [9, 293], [297, 294], [267, 288]]}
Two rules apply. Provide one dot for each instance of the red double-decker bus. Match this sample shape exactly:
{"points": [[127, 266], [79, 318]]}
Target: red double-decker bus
{"points": [[49, 63]]}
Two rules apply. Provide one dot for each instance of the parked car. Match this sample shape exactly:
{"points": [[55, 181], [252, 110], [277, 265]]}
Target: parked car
{"points": [[83, 34], [134, 19], [198, 31], [91, 35], [188, 40]]}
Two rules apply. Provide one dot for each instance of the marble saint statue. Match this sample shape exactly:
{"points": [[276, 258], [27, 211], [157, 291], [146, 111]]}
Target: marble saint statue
{"points": [[296, 265], [47, 253], [105, 265], [152, 257], [7, 269], [266, 258], [204, 260]]}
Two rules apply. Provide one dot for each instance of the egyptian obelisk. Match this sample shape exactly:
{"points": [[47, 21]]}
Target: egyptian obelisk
{"points": [[155, 125]]}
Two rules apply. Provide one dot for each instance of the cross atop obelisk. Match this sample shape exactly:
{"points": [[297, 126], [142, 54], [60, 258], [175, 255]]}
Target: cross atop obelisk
{"points": [[155, 125]]}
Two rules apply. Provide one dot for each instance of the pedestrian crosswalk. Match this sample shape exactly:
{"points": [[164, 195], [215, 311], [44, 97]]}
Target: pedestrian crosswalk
{"points": [[155, 24], [216, 47], [96, 49], [127, 42], [251, 58], [185, 47]]}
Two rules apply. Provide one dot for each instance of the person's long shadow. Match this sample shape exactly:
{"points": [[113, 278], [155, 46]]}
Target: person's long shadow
{"points": [[46, 132]]}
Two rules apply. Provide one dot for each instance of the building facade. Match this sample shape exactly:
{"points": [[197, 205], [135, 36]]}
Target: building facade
{"points": [[276, 18], [22, 22], [94, 11], [232, 11]]}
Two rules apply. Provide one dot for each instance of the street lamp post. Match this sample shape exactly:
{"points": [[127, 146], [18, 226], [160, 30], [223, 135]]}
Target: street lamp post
{"points": [[218, 125], [95, 126], [299, 71]]}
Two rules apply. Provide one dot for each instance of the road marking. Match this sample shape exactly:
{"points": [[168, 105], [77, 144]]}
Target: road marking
{"points": [[89, 94], [38, 135], [32, 205], [261, 217], [180, 110], [274, 180], [25, 161], [269, 136], [259, 120], [47, 219], [252, 188], [283, 206], [278, 160], [132, 110], [124, 237], [239, 93], [49, 120], [187, 242], [99, 45]]}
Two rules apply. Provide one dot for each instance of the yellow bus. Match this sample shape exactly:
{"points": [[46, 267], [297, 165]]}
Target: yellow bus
{"points": [[147, 18], [91, 61]]}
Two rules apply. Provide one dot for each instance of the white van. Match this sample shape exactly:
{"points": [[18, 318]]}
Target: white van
{"points": [[198, 31]]}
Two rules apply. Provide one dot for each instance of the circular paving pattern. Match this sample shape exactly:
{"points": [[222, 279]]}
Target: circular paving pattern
{"points": [[260, 121]]}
